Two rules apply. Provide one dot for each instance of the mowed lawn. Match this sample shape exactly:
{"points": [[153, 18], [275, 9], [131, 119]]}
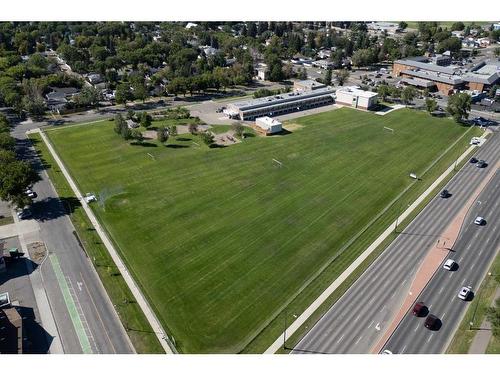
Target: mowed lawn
{"points": [[219, 239]]}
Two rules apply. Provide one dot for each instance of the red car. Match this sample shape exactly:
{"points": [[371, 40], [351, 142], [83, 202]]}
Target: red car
{"points": [[419, 309]]}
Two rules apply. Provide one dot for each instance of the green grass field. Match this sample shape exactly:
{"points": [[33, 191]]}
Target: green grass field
{"points": [[221, 239]]}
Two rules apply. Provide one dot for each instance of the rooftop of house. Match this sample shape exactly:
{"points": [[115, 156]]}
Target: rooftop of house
{"points": [[357, 91], [266, 122]]}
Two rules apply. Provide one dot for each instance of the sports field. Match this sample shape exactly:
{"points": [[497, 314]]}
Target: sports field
{"points": [[219, 239]]}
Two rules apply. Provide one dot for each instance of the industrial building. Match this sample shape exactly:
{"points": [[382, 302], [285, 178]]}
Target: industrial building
{"points": [[281, 104], [307, 85], [438, 75], [267, 125], [356, 98]]}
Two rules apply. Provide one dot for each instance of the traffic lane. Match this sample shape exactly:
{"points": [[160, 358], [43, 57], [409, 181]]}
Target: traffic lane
{"points": [[450, 282], [308, 339], [413, 243]]}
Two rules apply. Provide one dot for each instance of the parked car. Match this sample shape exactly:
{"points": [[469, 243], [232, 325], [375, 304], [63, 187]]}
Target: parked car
{"points": [[473, 160], [24, 214], [30, 193], [419, 309], [465, 293], [449, 264], [444, 194], [479, 220], [387, 351], [431, 322]]}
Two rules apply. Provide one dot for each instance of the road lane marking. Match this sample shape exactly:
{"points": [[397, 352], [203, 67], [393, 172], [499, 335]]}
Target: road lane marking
{"points": [[403, 350], [377, 327], [339, 340], [480, 251], [440, 290], [473, 264], [451, 274], [357, 318], [429, 339], [442, 316], [415, 330], [71, 305], [371, 323], [358, 340], [460, 259]]}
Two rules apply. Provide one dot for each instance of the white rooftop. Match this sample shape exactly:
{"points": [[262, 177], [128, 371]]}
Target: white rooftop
{"points": [[357, 91], [266, 122]]}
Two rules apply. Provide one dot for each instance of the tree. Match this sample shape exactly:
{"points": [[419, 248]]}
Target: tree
{"points": [[493, 316], [452, 44], [496, 51], [207, 138], [7, 142], [459, 106], [123, 93], [140, 92], [363, 57], [328, 77], [302, 74], [342, 76], [172, 130], [89, 96], [403, 25], [119, 124], [408, 94], [383, 91], [34, 106], [395, 92], [162, 134], [431, 104], [137, 135], [457, 26], [238, 129], [146, 119], [193, 129], [15, 177]]}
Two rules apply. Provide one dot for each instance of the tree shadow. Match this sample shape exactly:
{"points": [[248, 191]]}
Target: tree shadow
{"points": [[176, 146], [52, 208], [216, 145], [182, 139], [17, 268], [36, 339], [143, 144]]}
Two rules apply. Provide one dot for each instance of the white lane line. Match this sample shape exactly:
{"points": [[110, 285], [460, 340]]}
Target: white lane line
{"points": [[440, 290], [357, 318], [429, 339], [451, 274], [404, 282], [393, 294], [403, 350], [481, 251], [415, 330], [469, 246], [472, 266], [442, 316], [429, 307], [371, 323], [358, 340], [339, 340], [460, 259]]}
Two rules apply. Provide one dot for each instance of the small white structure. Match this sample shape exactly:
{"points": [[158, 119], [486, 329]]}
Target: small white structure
{"points": [[131, 124], [90, 198], [355, 97], [267, 125]]}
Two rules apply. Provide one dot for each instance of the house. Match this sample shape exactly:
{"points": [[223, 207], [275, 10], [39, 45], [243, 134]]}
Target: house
{"points": [[354, 97], [59, 97], [209, 50], [190, 25], [267, 125], [324, 54], [95, 78], [323, 64], [262, 72]]}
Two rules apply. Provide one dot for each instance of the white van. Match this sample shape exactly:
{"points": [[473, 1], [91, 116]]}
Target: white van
{"points": [[449, 264]]}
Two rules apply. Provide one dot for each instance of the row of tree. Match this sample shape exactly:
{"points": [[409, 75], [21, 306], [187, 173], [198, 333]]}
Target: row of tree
{"points": [[15, 175]]}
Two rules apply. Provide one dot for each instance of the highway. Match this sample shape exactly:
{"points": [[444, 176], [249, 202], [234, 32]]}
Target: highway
{"points": [[474, 252], [358, 320], [86, 320]]}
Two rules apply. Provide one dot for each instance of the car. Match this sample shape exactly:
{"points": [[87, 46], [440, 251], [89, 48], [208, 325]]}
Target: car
{"points": [[444, 194], [419, 309], [431, 322], [24, 214], [475, 141], [479, 220], [30, 193], [387, 351], [473, 161], [481, 164], [449, 264], [465, 293]]}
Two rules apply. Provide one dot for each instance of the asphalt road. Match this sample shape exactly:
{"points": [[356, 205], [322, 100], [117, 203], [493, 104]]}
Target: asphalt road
{"points": [[359, 318], [94, 312], [474, 251]]}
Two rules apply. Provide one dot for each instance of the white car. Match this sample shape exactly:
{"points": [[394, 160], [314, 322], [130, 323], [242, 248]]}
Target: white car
{"points": [[449, 264], [479, 220], [30, 193], [465, 292], [386, 351]]}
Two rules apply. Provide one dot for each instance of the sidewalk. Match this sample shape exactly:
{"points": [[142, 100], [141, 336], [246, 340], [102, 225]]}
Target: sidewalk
{"points": [[146, 308], [278, 343], [483, 335]]}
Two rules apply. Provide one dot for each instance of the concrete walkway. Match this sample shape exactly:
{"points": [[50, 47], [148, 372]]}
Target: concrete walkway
{"points": [[146, 308], [278, 343], [483, 335]]}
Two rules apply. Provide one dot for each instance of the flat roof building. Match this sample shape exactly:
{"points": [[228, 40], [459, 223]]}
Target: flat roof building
{"points": [[267, 125], [280, 104], [356, 98], [307, 85]]}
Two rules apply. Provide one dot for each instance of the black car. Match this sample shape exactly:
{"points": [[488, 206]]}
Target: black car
{"points": [[481, 164], [445, 194], [473, 160], [432, 322]]}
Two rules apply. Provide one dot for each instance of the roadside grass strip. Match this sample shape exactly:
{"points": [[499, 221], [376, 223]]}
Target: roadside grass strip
{"points": [[71, 305]]}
